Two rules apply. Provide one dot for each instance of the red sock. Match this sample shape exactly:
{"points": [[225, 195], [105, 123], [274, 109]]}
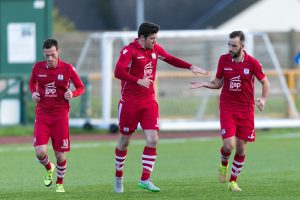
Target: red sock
{"points": [[45, 161], [224, 157], [148, 161], [60, 171], [120, 157], [237, 166]]}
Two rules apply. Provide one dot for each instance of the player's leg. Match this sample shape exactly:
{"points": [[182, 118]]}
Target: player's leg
{"points": [[225, 152], [41, 137], [42, 157], [148, 161], [120, 157], [61, 166], [61, 143], [237, 164], [150, 125], [228, 130], [128, 120], [245, 133]]}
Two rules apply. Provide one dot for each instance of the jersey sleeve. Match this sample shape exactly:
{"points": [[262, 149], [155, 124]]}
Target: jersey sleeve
{"points": [[121, 70], [79, 87], [172, 60], [219, 73], [258, 70], [32, 80]]}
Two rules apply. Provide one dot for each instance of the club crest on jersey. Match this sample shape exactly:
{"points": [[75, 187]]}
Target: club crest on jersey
{"points": [[60, 77], [153, 56], [246, 71]]}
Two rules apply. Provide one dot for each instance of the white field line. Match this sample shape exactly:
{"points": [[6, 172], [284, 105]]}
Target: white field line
{"points": [[75, 145]]}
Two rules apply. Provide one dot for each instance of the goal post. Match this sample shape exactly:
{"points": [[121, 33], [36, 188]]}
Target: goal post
{"points": [[180, 107]]}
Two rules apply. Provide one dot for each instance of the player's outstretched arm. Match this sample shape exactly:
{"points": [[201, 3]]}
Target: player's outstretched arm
{"points": [[198, 70], [214, 84]]}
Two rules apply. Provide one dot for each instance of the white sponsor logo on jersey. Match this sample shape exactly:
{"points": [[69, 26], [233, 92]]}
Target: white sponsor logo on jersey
{"points": [[140, 57], [42, 75], [60, 77], [235, 84], [148, 70], [50, 90], [227, 69]]}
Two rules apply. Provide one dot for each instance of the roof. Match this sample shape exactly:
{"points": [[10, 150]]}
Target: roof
{"points": [[169, 14]]}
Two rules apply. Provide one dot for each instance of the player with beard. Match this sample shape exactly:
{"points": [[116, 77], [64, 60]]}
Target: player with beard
{"points": [[235, 74]]}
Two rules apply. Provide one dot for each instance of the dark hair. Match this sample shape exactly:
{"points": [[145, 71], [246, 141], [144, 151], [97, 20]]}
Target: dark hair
{"points": [[147, 28], [239, 34], [48, 43]]}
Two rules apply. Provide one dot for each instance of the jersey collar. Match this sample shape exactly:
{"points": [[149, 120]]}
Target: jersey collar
{"points": [[137, 44], [58, 64]]}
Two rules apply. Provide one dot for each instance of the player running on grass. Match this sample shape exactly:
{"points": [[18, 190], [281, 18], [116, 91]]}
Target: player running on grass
{"points": [[136, 68], [236, 72], [49, 84]]}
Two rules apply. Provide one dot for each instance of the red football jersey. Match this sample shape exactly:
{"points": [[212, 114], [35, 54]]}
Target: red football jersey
{"points": [[135, 63], [51, 84], [238, 87]]}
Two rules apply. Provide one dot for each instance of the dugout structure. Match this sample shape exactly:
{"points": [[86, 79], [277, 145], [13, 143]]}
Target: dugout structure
{"points": [[180, 107]]}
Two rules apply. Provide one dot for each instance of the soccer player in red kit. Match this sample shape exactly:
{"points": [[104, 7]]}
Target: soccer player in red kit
{"points": [[136, 68], [49, 84], [236, 73]]}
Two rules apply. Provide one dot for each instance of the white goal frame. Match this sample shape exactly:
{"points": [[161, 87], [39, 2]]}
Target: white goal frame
{"points": [[106, 50]]}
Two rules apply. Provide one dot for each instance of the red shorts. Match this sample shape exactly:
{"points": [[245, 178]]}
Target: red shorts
{"points": [[56, 129], [130, 115], [240, 125]]}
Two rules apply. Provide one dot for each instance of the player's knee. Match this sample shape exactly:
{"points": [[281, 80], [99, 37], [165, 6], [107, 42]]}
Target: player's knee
{"points": [[41, 154], [241, 151], [123, 142], [228, 147], [152, 141], [60, 157]]}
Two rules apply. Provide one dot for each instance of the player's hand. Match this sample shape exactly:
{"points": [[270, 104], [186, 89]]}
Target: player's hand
{"points": [[68, 94], [198, 70], [260, 103], [36, 97], [197, 84], [145, 82]]}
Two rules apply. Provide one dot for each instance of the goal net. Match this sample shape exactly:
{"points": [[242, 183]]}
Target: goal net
{"points": [[180, 107]]}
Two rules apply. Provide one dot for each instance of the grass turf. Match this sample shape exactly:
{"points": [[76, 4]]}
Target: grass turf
{"points": [[185, 169]]}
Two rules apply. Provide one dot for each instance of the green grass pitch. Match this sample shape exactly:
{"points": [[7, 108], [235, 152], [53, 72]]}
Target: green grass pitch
{"points": [[185, 169]]}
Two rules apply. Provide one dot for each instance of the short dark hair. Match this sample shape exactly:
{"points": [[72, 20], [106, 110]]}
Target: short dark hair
{"points": [[147, 28], [239, 34], [48, 43]]}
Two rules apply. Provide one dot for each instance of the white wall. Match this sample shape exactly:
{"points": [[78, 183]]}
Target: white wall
{"points": [[267, 15]]}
